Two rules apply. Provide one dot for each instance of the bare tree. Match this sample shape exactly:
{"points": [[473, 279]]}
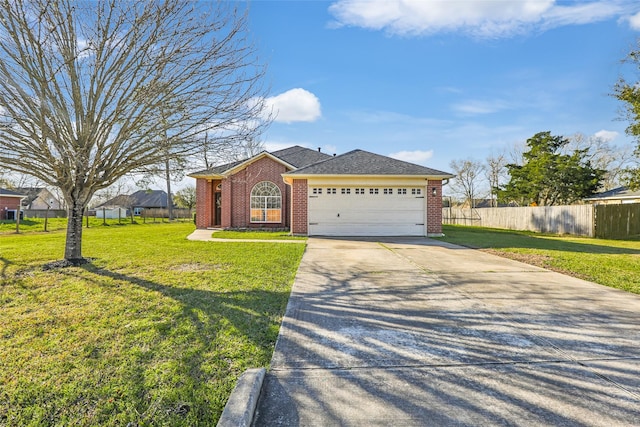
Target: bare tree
{"points": [[91, 91], [603, 155], [186, 198], [216, 151], [468, 179], [495, 171]]}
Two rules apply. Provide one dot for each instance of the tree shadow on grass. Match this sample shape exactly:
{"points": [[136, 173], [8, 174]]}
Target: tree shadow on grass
{"points": [[203, 346], [4, 264]]}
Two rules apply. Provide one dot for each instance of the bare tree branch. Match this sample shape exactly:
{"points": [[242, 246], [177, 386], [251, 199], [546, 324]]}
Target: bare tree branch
{"points": [[92, 91]]}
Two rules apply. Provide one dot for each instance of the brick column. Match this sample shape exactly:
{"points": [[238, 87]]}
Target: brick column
{"points": [[299, 206], [434, 208], [204, 201], [226, 201]]}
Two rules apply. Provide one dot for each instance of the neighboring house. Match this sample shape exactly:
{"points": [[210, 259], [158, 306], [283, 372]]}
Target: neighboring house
{"points": [[10, 202], [39, 198], [138, 201], [311, 193], [620, 195]]}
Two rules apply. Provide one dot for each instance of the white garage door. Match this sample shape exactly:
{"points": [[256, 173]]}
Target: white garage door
{"points": [[366, 211]]}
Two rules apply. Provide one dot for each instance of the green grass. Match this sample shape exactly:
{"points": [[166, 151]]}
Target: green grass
{"points": [[34, 225], [614, 263], [256, 235], [155, 331]]}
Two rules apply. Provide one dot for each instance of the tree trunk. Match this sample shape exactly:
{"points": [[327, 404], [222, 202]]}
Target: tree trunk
{"points": [[73, 245]]}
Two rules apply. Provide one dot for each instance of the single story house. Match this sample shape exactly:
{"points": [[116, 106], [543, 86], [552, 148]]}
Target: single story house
{"points": [[10, 202], [39, 198], [311, 193], [139, 201], [41, 203], [617, 196]]}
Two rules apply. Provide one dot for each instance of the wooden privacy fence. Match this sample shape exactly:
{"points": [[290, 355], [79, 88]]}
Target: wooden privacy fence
{"points": [[153, 214], [617, 221], [574, 219], [44, 213]]}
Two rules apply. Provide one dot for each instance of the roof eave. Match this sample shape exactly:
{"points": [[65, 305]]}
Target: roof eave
{"points": [[198, 175], [395, 176], [614, 198]]}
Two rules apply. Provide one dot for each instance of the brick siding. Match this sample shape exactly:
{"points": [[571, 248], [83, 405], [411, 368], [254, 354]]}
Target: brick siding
{"points": [[299, 201], [236, 194], [204, 199], [434, 207]]}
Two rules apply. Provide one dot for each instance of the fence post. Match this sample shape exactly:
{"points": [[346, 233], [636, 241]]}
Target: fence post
{"points": [[46, 218], [18, 217]]}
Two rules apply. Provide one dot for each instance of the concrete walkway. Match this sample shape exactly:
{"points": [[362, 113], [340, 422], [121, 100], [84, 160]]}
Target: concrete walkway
{"points": [[206, 235], [418, 332]]}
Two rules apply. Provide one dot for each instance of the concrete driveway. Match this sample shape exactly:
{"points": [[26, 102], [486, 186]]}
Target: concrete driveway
{"points": [[412, 331]]}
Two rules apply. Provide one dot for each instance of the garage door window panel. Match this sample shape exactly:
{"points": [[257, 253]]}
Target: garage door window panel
{"points": [[266, 203]]}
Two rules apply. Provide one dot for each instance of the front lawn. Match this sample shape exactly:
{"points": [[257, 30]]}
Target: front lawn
{"points": [[614, 263], [155, 331]]}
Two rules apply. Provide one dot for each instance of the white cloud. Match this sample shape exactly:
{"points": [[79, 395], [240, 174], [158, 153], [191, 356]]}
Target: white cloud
{"points": [[480, 18], [417, 156], [634, 21], [606, 135], [474, 107], [295, 105]]}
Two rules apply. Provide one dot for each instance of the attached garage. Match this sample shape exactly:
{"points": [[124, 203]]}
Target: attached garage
{"points": [[367, 211], [365, 194]]}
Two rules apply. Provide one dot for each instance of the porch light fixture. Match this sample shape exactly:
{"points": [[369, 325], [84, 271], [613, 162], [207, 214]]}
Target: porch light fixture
{"points": [[434, 191]]}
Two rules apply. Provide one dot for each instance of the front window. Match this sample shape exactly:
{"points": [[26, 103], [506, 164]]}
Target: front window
{"points": [[266, 203]]}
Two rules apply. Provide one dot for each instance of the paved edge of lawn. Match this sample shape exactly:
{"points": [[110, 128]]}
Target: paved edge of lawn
{"points": [[241, 406], [205, 235]]}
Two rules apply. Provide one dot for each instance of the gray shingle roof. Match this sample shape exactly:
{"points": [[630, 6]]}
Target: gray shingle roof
{"points": [[5, 192], [616, 193], [142, 199], [360, 162], [217, 170], [296, 156], [300, 157]]}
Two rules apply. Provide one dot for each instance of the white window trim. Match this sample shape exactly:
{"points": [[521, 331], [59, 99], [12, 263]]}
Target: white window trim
{"points": [[264, 202]]}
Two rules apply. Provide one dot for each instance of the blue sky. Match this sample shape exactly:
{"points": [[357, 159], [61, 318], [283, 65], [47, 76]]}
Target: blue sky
{"points": [[431, 81]]}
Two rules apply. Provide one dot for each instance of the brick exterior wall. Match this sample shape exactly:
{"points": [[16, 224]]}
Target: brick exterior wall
{"points": [[236, 195], [434, 207], [8, 203], [299, 199], [204, 196], [226, 203]]}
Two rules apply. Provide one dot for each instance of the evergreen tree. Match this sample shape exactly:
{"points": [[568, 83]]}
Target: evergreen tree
{"points": [[547, 177]]}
